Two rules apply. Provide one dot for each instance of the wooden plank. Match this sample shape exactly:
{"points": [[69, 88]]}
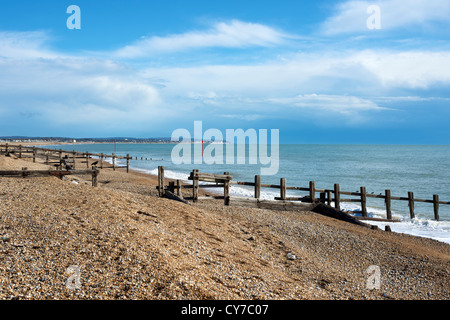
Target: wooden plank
{"points": [[42, 173], [377, 219], [210, 177], [243, 183], [347, 193], [270, 204], [303, 199], [351, 200]]}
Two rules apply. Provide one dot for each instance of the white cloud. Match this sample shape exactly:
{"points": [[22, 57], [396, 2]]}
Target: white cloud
{"points": [[24, 45], [235, 34], [409, 69], [79, 91], [334, 103], [366, 72], [38, 82], [351, 16]]}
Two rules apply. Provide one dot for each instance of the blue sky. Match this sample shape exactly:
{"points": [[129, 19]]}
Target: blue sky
{"points": [[312, 69]]}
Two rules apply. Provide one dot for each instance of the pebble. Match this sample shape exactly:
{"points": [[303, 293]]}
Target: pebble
{"points": [[194, 252]]}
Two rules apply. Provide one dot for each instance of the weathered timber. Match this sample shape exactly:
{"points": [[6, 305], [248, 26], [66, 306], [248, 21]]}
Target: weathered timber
{"points": [[377, 219], [436, 207], [257, 186], [363, 201], [387, 201], [173, 196], [329, 211], [337, 196], [411, 204], [270, 204]]}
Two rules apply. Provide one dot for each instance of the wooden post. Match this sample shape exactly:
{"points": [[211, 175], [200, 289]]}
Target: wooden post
{"points": [[322, 197], [329, 197], [6, 148], [101, 161], [46, 157], [283, 188], [172, 186], [34, 154], [411, 204], [312, 191], [161, 180], [114, 162], [178, 188], [363, 201], [60, 155], [94, 176], [87, 159], [226, 191], [194, 185], [337, 196], [74, 159], [20, 151], [257, 186], [436, 207], [387, 200], [128, 162]]}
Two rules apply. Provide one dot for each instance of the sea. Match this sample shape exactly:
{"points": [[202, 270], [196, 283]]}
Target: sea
{"points": [[422, 169]]}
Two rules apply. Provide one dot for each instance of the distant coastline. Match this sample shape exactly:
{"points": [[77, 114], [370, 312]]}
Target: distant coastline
{"points": [[71, 141]]}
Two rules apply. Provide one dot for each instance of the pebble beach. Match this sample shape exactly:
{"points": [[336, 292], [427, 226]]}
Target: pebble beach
{"points": [[127, 243]]}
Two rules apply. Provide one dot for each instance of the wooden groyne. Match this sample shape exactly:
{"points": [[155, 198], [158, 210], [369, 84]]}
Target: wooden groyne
{"points": [[55, 156], [326, 196], [24, 173]]}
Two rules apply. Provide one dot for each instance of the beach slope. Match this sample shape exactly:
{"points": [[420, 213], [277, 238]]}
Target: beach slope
{"points": [[64, 239]]}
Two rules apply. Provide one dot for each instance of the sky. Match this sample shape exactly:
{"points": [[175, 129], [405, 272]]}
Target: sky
{"points": [[319, 71]]}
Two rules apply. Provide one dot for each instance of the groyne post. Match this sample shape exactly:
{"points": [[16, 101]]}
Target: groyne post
{"points": [[411, 204], [387, 200], [257, 186], [283, 188], [337, 196], [363, 201], [436, 207]]}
